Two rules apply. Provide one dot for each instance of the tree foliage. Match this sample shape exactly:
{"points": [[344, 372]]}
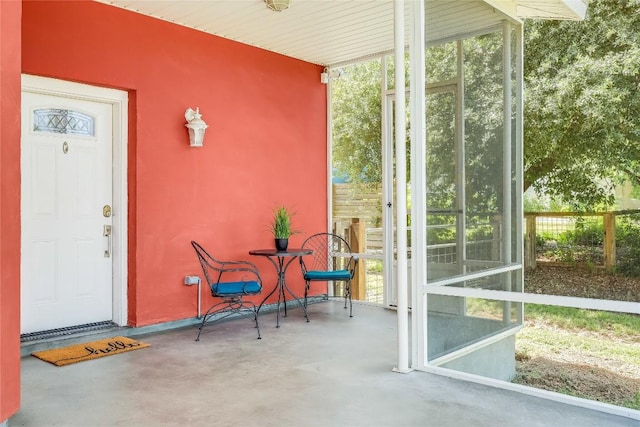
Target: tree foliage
{"points": [[582, 103], [582, 111], [357, 123]]}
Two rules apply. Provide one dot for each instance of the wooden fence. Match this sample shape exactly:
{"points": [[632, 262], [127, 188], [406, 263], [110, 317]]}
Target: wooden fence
{"points": [[571, 238], [357, 210], [361, 201]]}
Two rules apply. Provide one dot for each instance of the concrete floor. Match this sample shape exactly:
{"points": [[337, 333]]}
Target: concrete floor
{"points": [[333, 371]]}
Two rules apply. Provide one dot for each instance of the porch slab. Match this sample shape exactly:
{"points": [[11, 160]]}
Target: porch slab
{"points": [[333, 371]]}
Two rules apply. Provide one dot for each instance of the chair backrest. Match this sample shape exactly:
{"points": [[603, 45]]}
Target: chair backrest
{"points": [[235, 271], [330, 252], [211, 267]]}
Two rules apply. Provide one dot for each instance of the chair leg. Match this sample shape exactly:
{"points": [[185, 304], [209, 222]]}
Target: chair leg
{"points": [[212, 310], [347, 288], [200, 328], [230, 307], [306, 291]]}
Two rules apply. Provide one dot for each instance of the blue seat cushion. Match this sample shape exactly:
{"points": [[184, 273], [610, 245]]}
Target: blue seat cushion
{"points": [[236, 288], [328, 275]]}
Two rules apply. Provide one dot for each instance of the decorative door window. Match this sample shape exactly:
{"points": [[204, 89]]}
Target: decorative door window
{"points": [[54, 120]]}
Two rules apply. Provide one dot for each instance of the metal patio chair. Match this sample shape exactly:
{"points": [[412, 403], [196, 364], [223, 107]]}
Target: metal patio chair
{"points": [[331, 261], [231, 281]]}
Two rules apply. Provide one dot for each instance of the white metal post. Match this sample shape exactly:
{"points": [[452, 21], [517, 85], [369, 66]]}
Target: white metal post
{"points": [[387, 188], [401, 189], [519, 153], [461, 178], [507, 181], [418, 185], [329, 177]]}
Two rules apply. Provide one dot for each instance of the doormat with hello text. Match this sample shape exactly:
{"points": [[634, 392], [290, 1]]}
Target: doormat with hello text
{"points": [[91, 350]]}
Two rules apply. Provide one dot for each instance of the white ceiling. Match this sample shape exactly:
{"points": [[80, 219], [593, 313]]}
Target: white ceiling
{"points": [[330, 32]]}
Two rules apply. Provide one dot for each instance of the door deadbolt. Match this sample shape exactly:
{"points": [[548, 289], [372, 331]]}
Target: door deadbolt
{"points": [[106, 211]]}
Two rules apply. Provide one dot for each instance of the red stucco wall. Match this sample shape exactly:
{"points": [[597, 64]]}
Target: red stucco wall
{"points": [[266, 144], [9, 208]]}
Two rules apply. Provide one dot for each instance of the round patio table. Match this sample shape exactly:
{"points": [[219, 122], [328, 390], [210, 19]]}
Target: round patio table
{"points": [[278, 258]]}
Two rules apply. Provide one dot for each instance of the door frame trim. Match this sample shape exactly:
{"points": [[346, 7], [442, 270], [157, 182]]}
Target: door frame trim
{"points": [[119, 101]]}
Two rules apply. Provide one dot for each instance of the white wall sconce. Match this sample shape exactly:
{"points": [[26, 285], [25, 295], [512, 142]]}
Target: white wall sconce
{"points": [[277, 5], [196, 126], [324, 76], [327, 75]]}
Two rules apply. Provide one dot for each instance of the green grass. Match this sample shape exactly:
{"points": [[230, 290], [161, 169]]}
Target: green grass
{"points": [[595, 333], [614, 324], [633, 403], [543, 341], [488, 309], [602, 340]]}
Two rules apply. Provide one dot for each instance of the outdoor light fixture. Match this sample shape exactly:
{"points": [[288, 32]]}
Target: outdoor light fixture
{"points": [[327, 74], [324, 76], [196, 126], [277, 5]]}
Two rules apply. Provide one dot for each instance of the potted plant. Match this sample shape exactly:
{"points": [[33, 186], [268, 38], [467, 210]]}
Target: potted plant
{"points": [[281, 227]]}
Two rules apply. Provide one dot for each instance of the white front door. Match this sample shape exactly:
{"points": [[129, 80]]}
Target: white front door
{"points": [[66, 163]]}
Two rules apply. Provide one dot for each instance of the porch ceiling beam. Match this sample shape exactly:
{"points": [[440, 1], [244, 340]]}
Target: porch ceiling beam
{"points": [[541, 9], [508, 7]]}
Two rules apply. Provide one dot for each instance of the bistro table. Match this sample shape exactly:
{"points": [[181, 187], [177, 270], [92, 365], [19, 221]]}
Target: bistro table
{"points": [[277, 258]]}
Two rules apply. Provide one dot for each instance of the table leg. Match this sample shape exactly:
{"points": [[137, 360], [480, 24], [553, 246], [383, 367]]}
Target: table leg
{"points": [[281, 281], [284, 286], [281, 285]]}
